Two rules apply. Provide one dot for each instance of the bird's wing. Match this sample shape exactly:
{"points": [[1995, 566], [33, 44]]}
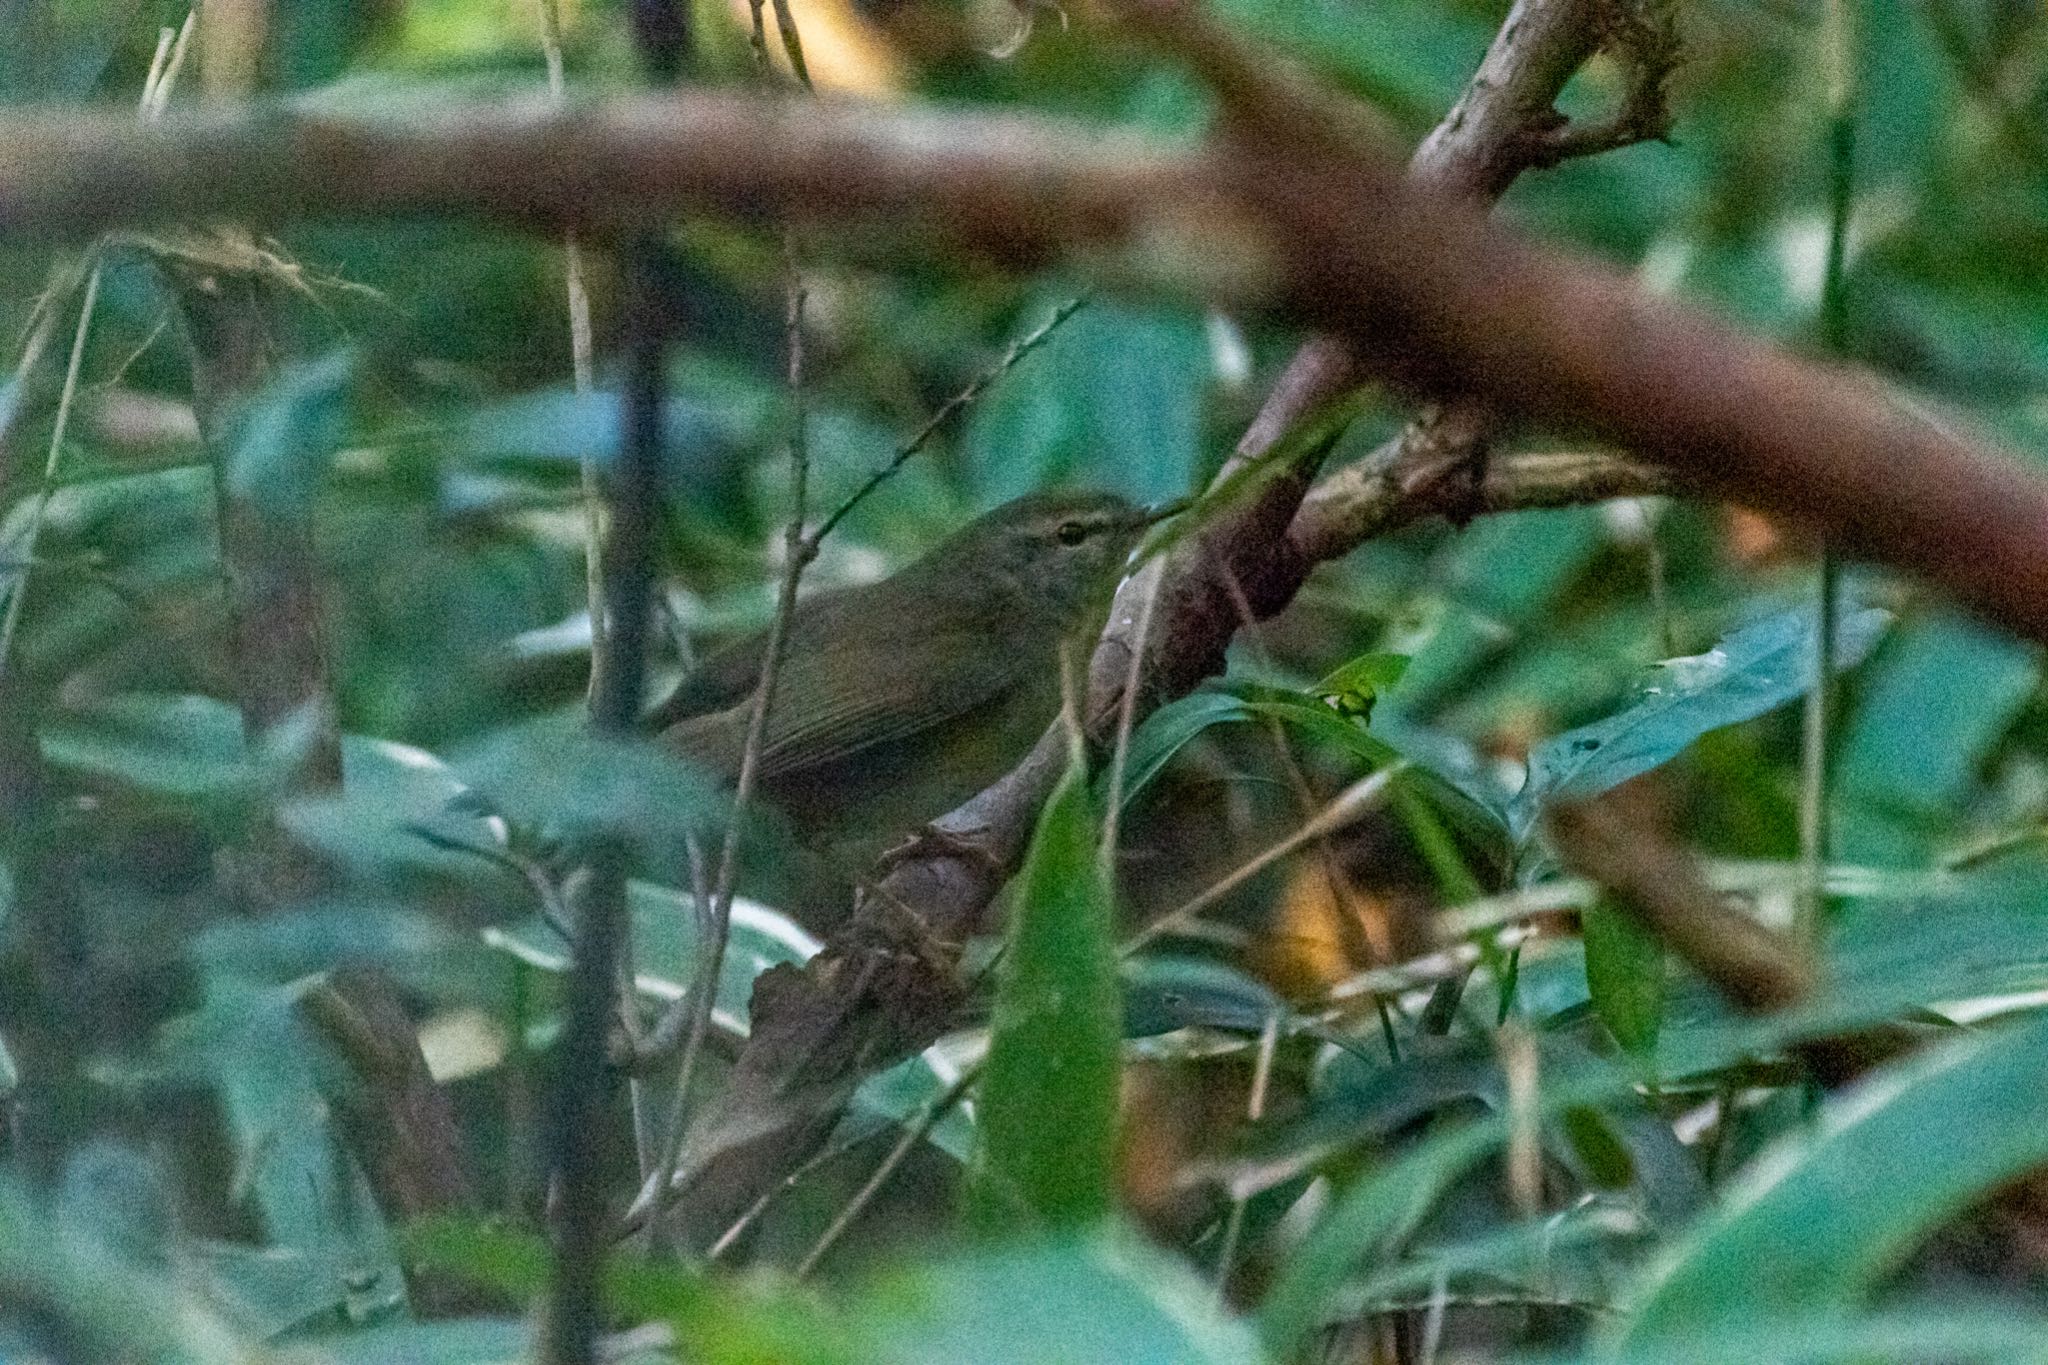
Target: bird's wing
{"points": [[827, 710]]}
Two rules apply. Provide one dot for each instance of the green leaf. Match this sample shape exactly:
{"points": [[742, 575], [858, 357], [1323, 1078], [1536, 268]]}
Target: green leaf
{"points": [[1933, 703], [1169, 730], [1117, 390], [1812, 1227], [284, 439], [724, 1322], [396, 817], [163, 744], [1165, 993], [1363, 1224], [1624, 975], [1049, 1093], [250, 1044], [564, 782], [1756, 669], [1096, 1301], [468, 1341], [1929, 1335], [1353, 687], [665, 941]]}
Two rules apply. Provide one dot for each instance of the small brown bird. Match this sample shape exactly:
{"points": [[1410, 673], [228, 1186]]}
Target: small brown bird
{"points": [[898, 700]]}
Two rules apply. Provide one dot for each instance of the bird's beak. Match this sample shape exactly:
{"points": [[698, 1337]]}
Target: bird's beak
{"points": [[1160, 511]]}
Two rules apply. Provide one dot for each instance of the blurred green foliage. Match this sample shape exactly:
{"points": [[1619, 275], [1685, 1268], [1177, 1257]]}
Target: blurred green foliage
{"points": [[180, 1179]]}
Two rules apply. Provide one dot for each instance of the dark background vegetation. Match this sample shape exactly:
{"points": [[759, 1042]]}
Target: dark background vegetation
{"points": [[1274, 1149]]}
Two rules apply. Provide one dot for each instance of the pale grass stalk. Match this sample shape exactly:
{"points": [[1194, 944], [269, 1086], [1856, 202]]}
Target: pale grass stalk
{"points": [[582, 369], [156, 92], [1254, 1110]]}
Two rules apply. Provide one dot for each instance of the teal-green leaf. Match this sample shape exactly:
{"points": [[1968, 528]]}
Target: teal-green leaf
{"points": [[163, 744], [1820, 1221], [1932, 703], [1048, 1103], [1755, 669], [1105, 1300], [566, 782], [285, 437], [1361, 1226]]}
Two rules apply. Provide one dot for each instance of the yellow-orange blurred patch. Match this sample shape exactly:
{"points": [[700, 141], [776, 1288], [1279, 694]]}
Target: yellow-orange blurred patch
{"points": [[844, 52]]}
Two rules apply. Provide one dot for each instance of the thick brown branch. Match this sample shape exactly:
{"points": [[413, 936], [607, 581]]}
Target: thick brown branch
{"points": [[1425, 293], [1620, 840]]}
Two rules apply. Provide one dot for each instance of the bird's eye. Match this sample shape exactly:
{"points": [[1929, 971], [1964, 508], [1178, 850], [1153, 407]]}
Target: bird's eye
{"points": [[1072, 532]]}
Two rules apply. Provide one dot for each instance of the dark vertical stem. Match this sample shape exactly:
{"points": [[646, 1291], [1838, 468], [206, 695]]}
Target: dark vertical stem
{"points": [[583, 1080], [1816, 778]]}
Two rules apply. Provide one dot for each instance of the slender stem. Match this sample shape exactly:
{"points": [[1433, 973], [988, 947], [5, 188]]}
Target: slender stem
{"points": [[66, 400], [1254, 1110], [798, 552], [582, 368], [156, 94], [1656, 568], [1126, 713], [1347, 806], [582, 1081], [156, 90], [1814, 784], [946, 411], [905, 1144]]}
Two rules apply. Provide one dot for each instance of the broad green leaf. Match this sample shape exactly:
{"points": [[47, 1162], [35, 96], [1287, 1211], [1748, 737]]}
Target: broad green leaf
{"points": [[251, 1045], [665, 939], [1906, 1335], [1169, 730], [1500, 578], [1932, 703], [285, 437], [396, 817], [564, 428], [465, 1341], [564, 782], [1624, 975], [1048, 1101], [1117, 392], [164, 744], [725, 1322], [1106, 1300], [1753, 670], [72, 1296], [1818, 1222], [1164, 993]]}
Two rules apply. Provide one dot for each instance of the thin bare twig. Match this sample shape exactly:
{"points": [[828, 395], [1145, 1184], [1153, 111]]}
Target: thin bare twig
{"points": [[1127, 712], [1346, 807], [798, 552], [1839, 57], [570, 1323], [905, 1144], [1254, 1110], [582, 368], [975, 388]]}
